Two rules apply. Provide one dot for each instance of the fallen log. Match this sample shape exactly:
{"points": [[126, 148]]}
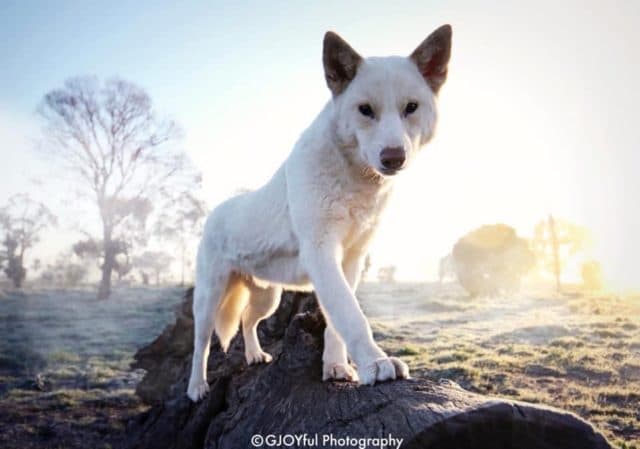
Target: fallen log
{"points": [[287, 397]]}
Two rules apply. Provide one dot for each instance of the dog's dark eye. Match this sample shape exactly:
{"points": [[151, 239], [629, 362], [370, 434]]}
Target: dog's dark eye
{"points": [[366, 110], [410, 108]]}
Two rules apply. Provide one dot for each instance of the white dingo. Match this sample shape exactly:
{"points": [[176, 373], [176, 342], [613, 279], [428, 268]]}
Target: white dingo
{"points": [[310, 226]]}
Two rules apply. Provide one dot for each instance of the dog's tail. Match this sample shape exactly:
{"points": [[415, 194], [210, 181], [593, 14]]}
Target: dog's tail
{"points": [[230, 310]]}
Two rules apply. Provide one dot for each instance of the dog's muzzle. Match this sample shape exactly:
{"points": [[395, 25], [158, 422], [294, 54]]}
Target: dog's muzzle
{"points": [[392, 160]]}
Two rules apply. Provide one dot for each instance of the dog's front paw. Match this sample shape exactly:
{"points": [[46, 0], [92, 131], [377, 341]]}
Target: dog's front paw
{"points": [[384, 368], [197, 390], [257, 356], [338, 371]]}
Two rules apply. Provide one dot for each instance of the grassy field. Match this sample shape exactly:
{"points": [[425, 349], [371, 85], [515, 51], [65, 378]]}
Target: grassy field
{"points": [[573, 351], [65, 380]]}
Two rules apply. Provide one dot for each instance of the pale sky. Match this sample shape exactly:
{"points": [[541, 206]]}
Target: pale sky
{"points": [[538, 115]]}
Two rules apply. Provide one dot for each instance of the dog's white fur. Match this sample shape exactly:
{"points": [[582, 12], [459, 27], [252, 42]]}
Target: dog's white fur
{"points": [[311, 224]]}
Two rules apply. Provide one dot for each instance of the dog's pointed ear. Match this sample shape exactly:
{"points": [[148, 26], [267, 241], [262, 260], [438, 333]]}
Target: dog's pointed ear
{"points": [[432, 57], [340, 62]]}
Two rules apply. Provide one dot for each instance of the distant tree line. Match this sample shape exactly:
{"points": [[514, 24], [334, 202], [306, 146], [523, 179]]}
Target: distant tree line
{"points": [[493, 259], [124, 160], [22, 221]]}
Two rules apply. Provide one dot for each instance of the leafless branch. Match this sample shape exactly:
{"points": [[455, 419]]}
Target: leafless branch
{"points": [[109, 135]]}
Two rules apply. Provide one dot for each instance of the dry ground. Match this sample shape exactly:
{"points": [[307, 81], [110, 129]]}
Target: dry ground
{"points": [[65, 380], [64, 357], [575, 351]]}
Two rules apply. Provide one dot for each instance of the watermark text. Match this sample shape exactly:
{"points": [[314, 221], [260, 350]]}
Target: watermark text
{"points": [[328, 441]]}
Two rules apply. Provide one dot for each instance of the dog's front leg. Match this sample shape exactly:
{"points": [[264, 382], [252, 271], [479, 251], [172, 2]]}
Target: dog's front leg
{"points": [[343, 314], [335, 363]]}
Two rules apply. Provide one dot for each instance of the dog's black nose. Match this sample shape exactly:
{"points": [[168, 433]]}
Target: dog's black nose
{"points": [[392, 157]]}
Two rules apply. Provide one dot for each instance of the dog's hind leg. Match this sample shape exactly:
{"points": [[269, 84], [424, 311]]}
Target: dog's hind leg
{"points": [[262, 303], [231, 307], [206, 296]]}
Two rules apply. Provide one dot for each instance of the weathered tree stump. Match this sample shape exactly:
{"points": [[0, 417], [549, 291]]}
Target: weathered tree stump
{"points": [[288, 396]]}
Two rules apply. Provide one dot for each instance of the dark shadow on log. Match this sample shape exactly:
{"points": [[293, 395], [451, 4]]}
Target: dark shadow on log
{"points": [[287, 396]]}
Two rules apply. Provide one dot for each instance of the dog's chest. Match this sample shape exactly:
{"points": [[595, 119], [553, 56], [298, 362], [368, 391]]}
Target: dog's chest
{"points": [[360, 212], [364, 212]]}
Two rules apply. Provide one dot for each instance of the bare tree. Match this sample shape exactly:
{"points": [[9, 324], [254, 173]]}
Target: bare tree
{"points": [[131, 232], [65, 271], [555, 242], [123, 265], [179, 221], [109, 136], [21, 220], [555, 250], [156, 261]]}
